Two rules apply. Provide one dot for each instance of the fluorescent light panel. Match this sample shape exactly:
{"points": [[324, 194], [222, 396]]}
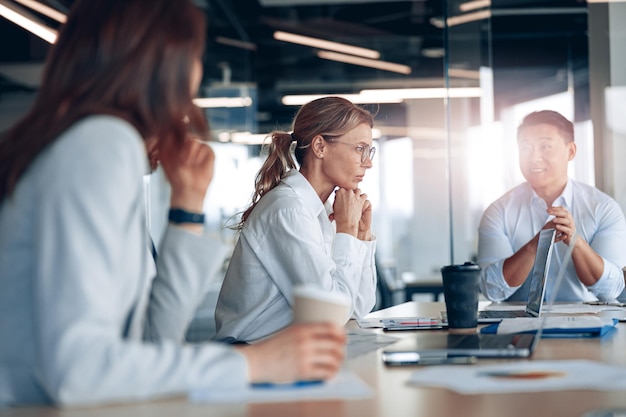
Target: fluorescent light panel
{"points": [[236, 43], [26, 22], [44, 10], [464, 73], [216, 102], [422, 93], [247, 138], [473, 5], [355, 60], [384, 96], [298, 100], [328, 45], [469, 17]]}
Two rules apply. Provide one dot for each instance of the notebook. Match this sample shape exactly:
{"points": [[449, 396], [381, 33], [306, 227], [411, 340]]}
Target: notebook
{"points": [[431, 347], [537, 288]]}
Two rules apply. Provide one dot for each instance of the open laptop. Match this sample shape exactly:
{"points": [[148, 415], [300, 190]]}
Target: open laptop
{"points": [[538, 277], [425, 347]]}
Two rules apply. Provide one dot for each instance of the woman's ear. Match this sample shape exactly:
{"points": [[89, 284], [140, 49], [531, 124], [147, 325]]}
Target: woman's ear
{"points": [[318, 145]]}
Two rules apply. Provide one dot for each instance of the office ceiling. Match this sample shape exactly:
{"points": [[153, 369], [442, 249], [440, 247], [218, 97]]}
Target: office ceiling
{"points": [[241, 48], [399, 30]]}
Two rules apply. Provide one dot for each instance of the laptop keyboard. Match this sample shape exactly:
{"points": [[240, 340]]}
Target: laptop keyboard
{"points": [[506, 314]]}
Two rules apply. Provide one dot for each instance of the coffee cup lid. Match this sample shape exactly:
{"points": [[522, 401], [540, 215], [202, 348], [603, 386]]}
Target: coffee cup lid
{"points": [[467, 266]]}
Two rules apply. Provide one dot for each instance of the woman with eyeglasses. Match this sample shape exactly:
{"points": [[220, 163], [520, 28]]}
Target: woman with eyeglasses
{"points": [[294, 234]]}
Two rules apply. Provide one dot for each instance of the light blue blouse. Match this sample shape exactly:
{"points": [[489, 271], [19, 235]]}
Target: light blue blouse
{"points": [[80, 304]]}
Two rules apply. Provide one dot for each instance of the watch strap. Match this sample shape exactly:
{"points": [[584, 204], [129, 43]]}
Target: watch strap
{"points": [[177, 215]]}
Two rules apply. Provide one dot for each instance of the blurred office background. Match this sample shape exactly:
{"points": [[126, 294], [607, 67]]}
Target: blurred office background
{"points": [[449, 81]]}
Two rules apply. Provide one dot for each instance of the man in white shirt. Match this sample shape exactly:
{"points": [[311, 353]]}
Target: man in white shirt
{"points": [[509, 229]]}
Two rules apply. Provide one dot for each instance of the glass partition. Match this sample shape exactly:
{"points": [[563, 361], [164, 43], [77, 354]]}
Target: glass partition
{"points": [[472, 137]]}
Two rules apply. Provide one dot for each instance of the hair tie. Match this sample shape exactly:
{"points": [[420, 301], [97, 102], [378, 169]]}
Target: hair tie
{"points": [[293, 137]]}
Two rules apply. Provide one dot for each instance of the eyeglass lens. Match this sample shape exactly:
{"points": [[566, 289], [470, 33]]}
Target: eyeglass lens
{"points": [[368, 152]]}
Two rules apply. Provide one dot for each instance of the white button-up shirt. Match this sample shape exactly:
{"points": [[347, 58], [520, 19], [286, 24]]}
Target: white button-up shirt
{"points": [[287, 241]]}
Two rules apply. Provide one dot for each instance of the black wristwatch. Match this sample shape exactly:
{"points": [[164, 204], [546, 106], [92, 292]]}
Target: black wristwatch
{"points": [[177, 215]]}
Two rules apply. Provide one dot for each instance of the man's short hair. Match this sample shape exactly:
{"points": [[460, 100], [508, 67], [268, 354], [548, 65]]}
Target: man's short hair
{"points": [[549, 117]]}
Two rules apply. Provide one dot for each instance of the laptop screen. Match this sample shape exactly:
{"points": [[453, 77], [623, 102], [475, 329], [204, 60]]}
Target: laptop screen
{"points": [[539, 272]]}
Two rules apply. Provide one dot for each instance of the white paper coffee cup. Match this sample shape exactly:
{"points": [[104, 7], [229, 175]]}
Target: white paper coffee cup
{"points": [[316, 305]]}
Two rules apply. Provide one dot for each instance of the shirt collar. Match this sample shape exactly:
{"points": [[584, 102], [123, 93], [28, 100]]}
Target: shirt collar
{"points": [[305, 190], [565, 199]]}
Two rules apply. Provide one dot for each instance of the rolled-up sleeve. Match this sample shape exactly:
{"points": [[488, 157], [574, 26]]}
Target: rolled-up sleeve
{"points": [[494, 247], [609, 242]]}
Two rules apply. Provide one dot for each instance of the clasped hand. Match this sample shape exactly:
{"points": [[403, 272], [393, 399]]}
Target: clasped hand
{"points": [[352, 212], [563, 222]]}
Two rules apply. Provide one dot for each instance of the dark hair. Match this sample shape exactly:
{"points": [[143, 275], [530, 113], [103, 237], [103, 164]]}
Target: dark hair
{"points": [[329, 117], [549, 117], [128, 58]]}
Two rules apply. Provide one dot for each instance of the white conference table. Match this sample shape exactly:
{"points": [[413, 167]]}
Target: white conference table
{"points": [[393, 397]]}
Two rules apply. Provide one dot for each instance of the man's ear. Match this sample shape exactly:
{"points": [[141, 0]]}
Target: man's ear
{"points": [[571, 150]]}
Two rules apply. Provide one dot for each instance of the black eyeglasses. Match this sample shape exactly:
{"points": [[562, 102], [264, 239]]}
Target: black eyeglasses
{"points": [[366, 151]]}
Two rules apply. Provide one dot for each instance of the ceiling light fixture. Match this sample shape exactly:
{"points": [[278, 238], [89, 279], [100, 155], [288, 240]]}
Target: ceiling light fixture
{"points": [[437, 21], [236, 43], [385, 96], [422, 93], [216, 102], [44, 10], [473, 5], [245, 138], [372, 63], [328, 45], [299, 100], [464, 73], [25, 21], [468, 17], [433, 52]]}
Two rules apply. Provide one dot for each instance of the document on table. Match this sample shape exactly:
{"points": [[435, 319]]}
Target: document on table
{"points": [[559, 308], [345, 386], [361, 342], [567, 308], [555, 326], [524, 376]]}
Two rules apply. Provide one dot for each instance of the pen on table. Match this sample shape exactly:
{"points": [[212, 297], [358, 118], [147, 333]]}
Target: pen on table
{"points": [[297, 384], [522, 374]]}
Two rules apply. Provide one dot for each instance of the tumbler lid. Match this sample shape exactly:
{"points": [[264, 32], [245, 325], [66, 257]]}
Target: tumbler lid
{"points": [[467, 266]]}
